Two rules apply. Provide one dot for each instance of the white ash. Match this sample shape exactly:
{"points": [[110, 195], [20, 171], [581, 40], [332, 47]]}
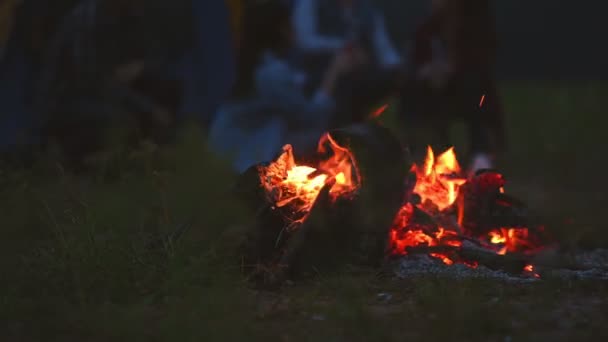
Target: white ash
{"points": [[597, 258], [565, 274], [594, 266], [417, 265]]}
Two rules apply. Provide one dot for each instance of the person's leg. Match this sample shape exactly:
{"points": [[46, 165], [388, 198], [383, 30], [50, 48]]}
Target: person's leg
{"points": [[423, 115], [208, 69], [471, 97], [17, 121], [493, 112]]}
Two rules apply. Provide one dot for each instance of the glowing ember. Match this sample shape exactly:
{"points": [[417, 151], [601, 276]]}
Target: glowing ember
{"points": [[297, 186], [404, 235], [510, 240], [530, 270]]}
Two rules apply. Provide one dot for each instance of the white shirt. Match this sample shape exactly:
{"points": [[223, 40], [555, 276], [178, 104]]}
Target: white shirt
{"points": [[309, 40]]}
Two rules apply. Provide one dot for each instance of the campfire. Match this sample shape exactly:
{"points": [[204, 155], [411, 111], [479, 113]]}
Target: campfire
{"points": [[294, 188], [442, 214], [442, 194]]}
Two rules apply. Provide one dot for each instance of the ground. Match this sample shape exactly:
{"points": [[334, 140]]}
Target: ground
{"points": [[75, 265]]}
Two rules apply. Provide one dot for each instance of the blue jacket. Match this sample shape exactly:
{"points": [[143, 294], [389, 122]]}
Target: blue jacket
{"points": [[208, 69], [253, 130]]}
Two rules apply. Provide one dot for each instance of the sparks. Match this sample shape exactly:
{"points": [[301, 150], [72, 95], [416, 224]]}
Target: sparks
{"points": [[379, 111], [483, 97]]}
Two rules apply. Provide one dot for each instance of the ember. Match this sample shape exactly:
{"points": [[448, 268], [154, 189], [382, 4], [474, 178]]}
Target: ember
{"points": [[445, 216], [439, 184]]}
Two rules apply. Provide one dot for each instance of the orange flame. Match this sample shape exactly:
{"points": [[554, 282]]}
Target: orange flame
{"points": [[297, 186], [438, 183], [341, 167], [403, 236], [438, 180]]}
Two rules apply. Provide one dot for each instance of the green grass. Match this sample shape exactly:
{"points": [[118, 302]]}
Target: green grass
{"points": [[74, 264]]}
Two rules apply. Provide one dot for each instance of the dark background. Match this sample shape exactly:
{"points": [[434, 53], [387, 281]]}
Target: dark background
{"points": [[76, 265], [540, 39]]}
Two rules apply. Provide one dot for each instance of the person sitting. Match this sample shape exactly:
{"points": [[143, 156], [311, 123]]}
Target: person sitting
{"points": [[452, 76], [269, 106], [324, 28], [73, 66]]}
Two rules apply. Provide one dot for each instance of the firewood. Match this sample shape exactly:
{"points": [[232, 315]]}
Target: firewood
{"points": [[316, 220], [383, 164]]}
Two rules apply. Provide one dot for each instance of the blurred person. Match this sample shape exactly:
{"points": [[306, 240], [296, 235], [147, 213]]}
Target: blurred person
{"points": [[210, 65], [269, 106], [73, 66], [324, 28], [453, 76], [15, 77]]}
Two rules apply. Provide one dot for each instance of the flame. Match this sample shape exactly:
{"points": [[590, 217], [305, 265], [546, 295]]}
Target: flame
{"points": [[341, 167], [510, 240], [438, 180], [297, 186], [403, 235], [438, 183]]}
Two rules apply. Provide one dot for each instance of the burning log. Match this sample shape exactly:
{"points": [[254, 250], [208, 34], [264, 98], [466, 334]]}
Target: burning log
{"points": [[324, 215], [315, 223], [459, 220], [486, 207], [382, 163]]}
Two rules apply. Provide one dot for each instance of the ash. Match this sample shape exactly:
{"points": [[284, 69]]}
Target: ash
{"points": [[410, 266], [591, 265], [593, 259]]}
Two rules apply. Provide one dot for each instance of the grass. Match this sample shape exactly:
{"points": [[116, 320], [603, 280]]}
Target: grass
{"points": [[74, 262]]}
